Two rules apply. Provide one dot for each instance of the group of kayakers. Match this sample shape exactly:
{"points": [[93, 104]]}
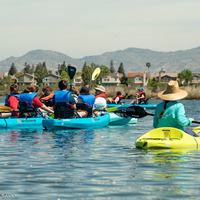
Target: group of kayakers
{"points": [[63, 103]]}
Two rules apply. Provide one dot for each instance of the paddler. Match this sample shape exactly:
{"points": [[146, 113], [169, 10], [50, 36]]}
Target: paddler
{"points": [[171, 113], [85, 101], [47, 96], [117, 99], [29, 103], [12, 100], [100, 98]]}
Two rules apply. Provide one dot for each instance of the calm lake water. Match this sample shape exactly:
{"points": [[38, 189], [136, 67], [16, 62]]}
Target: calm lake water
{"points": [[96, 164]]}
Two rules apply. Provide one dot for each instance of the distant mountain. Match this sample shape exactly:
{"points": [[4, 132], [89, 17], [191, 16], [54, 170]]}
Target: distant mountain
{"points": [[133, 59]]}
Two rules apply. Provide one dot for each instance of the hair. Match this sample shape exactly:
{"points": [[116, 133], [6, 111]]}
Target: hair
{"points": [[46, 89], [119, 93], [74, 89], [31, 88], [62, 85], [14, 88]]}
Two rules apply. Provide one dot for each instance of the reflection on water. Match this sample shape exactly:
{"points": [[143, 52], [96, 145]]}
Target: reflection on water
{"points": [[96, 164]]}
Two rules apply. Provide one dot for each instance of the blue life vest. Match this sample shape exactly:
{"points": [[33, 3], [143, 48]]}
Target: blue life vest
{"points": [[88, 100], [62, 108], [9, 95], [62, 96], [27, 97]]}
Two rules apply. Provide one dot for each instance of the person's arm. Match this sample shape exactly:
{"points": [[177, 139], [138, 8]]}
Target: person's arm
{"points": [[38, 104], [181, 118], [44, 107]]}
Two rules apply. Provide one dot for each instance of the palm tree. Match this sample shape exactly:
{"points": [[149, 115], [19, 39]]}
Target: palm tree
{"points": [[148, 64]]}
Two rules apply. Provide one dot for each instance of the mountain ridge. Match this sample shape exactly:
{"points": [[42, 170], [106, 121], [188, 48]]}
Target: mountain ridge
{"points": [[133, 59]]}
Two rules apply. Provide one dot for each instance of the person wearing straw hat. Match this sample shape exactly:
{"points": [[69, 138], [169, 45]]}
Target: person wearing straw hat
{"points": [[100, 98], [171, 113]]}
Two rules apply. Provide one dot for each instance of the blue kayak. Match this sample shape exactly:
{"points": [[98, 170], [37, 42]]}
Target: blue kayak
{"points": [[20, 123], [76, 123], [120, 120], [121, 106]]}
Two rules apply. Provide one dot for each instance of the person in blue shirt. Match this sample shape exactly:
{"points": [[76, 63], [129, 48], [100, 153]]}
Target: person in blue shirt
{"points": [[171, 113]]}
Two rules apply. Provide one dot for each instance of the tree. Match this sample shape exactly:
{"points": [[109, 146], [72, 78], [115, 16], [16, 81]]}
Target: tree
{"points": [[121, 69], [27, 69], [62, 67], [148, 64], [185, 76], [12, 70], [64, 75], [112, 68], [86, 74], [40, 72]]}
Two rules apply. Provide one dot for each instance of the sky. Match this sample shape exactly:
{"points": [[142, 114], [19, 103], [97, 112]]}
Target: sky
{"points": [[80, 28]]}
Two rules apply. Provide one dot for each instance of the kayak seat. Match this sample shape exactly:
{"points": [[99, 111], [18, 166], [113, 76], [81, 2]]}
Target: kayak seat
{"points": [[83, 106], [63, 111], [26, 110]]}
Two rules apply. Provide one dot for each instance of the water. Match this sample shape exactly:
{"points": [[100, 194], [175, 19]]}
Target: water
{"points": [[96, 164]]}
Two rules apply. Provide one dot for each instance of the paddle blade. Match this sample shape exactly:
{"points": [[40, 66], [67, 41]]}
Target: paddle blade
{"points": [[71, 71], [96, 73], [112, 109], [5, 109]]}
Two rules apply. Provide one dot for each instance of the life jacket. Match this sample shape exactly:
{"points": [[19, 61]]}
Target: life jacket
{"points": [[47, 100], [62, 108], [26, 108], [104, 95], [142, 100], [8, 96], [120, 98], [88, 102]]}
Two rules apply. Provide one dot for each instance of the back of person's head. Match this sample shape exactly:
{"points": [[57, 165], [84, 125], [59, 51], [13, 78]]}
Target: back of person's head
{"points": [[14, 88], [36, 88], [74, 89], [63, 85], [119, 93], [85, 90], [47, 89], [31, 88]]}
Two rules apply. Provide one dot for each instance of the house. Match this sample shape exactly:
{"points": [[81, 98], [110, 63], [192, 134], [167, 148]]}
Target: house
{"points": [[163, 77], [111, 79], [27, 79], [138, 79], [78, 80], [196, 77], [50, 79], [3, 74]]}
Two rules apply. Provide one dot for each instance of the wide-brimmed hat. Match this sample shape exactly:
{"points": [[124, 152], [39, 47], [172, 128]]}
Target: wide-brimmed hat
{"points": [[85, 90], [100, 88], [172, 93]]}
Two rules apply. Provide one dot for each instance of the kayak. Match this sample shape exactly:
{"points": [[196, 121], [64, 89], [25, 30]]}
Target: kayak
{"points": [[125, 106], [19, 123], [118, 120], [76, 123], [168, 138]]}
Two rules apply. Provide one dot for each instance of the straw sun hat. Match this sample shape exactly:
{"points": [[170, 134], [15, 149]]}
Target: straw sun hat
{"points": [[100, 88], [172, 93]]}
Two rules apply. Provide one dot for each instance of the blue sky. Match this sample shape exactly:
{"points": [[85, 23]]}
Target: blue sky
{"points": [[81, 28]]}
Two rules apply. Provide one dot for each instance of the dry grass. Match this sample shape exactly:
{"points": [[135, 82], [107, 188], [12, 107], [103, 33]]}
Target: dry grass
{"points": [[193, 91]]}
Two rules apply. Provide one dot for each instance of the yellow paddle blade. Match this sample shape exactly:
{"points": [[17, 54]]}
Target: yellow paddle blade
{"points": [[96, 73], [5, 109], [112, 109], [52, 115]]}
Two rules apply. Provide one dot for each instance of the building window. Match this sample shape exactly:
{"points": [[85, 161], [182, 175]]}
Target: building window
{"points": [[46, 79]]}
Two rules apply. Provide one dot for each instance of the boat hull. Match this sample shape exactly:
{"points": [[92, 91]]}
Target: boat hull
{"points": [[121, 106], [118, 120], [76, 123], [21, 123], [167, 138]]}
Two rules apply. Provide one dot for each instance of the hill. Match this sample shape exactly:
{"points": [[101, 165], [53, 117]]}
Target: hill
{"points": [[133, 59]]}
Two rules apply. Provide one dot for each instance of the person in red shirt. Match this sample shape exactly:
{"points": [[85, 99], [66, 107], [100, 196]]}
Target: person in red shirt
{"points": [[12, 100], [28, 99]]}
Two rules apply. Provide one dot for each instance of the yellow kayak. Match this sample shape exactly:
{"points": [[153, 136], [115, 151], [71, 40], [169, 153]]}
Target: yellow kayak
{"points": [[168, 138]]}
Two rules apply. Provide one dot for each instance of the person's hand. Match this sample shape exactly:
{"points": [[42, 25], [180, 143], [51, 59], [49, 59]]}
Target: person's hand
{"points": [[192, 119]]}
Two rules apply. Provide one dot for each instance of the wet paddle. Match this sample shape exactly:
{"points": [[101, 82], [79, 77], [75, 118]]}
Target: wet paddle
{"points": [[71, 72], [139, 112]]}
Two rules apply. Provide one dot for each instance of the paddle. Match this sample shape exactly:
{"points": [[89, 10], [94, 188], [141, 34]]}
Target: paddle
{"points": [[71, 72], [112, 109], [139, 112], [95, 74]]}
